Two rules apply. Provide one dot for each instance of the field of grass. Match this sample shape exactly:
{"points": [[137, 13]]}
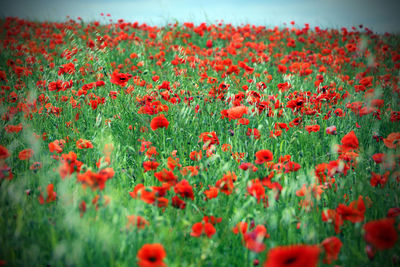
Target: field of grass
{"points": [[124, 144]]}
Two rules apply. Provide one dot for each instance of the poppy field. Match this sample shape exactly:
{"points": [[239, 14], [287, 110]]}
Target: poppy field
{"points": [[125, 144]]}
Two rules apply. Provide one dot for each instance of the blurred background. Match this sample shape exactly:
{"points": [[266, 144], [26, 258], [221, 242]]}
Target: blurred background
{"points": [[380, 16]]}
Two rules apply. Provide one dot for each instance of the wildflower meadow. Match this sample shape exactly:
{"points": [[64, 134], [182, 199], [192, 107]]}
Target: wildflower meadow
{"points": [[125, 144]]}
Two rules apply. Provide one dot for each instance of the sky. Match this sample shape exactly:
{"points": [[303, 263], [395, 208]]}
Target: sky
{"points": [[379, 15]]}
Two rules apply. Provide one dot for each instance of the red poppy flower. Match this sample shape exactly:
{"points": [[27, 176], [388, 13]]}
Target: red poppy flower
{"points": [[255, 132], [148, 196], [162, 190], [184, 189], [282, 126], [51, 195], [120, 79], [392, 141], [377, 103], [381, 233], [247, 165], [190, 170], [57, 146], [137, 190], [212, 192], [226, 147], [293, 256], [4, 152], [159, 122], [295, 122], [379, 157], [394, 116], [83, 143], [379, 179], [68, 68], [166, 176], [235, 113], [165, 85], [264, 155], [95, 180], [393, 212], [151, 255], [354, 212], [195, 156], [243, 121], [209, 43], [173, 163], [332, 247], [282, 69], [275, 134], [256, 189], [209, 139], [312, 128], [339, 112], [178, 203], [333, 217], [254, 239], [291, 166], [225, 184], [35, 166], [266, 181], [70, 164], [212, 219], [283, 87], [25, 154], [349, 141], [150, 165], [199, 228], [136, 221], [240, 227], [152, 151], [13, 128]]}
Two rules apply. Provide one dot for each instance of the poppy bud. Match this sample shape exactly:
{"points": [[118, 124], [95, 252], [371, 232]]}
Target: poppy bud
{"points": [[395, 260], [252, 224], [370, 252]]}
